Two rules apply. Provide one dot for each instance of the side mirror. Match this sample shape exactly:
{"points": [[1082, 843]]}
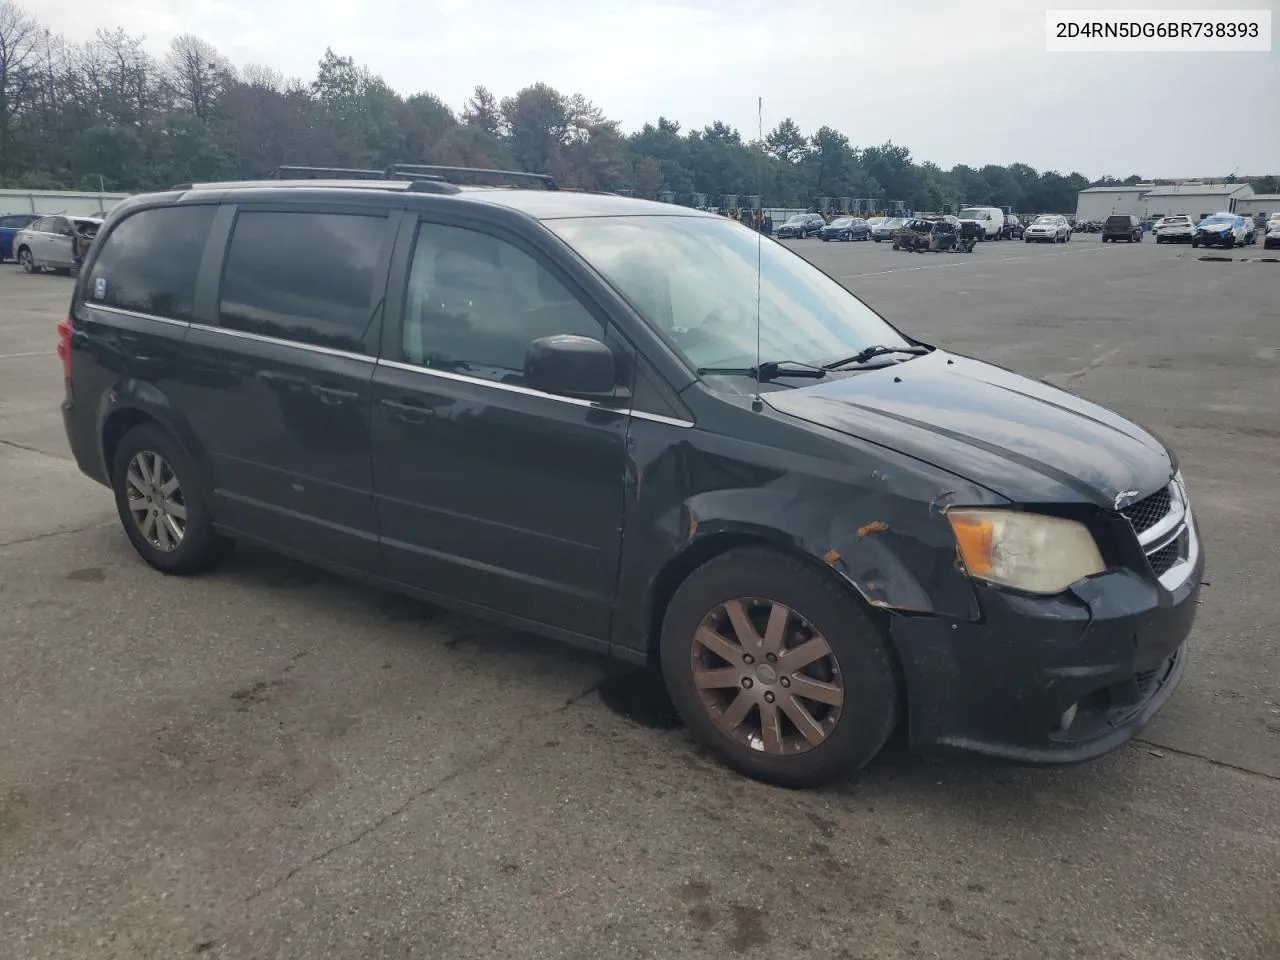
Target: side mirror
{"points": [[571, 366]]}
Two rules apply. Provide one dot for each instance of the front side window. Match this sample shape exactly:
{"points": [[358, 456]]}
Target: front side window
{"points": [[306, 277], [150, 260], [474, 303], [695, 280], [43, 225]]}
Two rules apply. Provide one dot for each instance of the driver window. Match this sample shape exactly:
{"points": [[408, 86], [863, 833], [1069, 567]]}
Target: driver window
{"points": [[474, 303]]}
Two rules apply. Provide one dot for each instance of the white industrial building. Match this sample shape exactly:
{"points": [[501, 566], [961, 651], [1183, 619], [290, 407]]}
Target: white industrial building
{"points": [[1267, 203], [1195, 199], [1098, 203]]}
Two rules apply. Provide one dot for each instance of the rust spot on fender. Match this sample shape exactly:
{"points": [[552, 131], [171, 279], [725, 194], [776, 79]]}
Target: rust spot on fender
{"points": [[875, 526], [831, 557]]}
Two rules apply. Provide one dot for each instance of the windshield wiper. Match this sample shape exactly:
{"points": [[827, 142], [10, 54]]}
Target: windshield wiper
{"points": [[769, 370], [862, 356]]}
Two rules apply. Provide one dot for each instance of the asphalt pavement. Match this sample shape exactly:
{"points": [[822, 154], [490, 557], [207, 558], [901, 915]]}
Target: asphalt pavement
{"points": [[270, 762]]}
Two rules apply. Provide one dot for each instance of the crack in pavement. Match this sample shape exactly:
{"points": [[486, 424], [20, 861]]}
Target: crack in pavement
{"points": [[477, 763], [55, 533], [1093, 364], [1200, 756], [23, 446]]}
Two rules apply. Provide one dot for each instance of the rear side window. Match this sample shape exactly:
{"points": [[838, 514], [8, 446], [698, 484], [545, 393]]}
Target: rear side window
{"points": [[16, 220], [149, 261], [306, 277]]}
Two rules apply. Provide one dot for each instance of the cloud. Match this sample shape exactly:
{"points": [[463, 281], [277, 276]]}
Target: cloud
{"points": [[956, 82]]}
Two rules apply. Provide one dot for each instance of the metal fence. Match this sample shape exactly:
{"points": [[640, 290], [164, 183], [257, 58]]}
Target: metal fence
{"points": [[72, 202]]}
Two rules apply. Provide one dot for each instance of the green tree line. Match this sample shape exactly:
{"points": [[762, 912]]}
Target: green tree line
{"points": [[107, 114]]}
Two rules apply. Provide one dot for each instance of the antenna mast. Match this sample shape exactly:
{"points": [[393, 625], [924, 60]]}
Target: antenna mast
{"points": [[758, 404]]}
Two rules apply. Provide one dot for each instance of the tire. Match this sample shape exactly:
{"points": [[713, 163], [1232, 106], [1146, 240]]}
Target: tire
{"points": [[877, 239], [857, 664], [199, 547], [26, 261], [895, 245], [1194, 244], [1230, 242]]}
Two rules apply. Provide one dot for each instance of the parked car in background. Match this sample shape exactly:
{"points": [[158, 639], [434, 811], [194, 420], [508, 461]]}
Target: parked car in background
{"points": [[1271, 239], [10, 224], [846, 228], [1122, 226], [1013, 228], [1220, 230], [884, 230], [1175, 229], [50, 243], [1250, 231], [890, 535], [1048, 227], [990, 219], [801, 225]]}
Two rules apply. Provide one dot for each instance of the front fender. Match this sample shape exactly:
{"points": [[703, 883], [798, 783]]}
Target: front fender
{"points": [[871, 515]]}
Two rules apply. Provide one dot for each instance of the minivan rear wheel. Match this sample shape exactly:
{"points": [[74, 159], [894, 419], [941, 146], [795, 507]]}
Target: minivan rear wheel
{"points": [[160, 503], [778, 669]]}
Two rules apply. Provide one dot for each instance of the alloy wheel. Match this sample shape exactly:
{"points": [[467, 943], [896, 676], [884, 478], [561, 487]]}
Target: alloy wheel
{"points": [[766, 677], [24, 258], [156, 502]]}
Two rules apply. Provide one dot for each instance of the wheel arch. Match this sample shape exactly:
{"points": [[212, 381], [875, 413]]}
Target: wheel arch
{"points": [[705, 549], [134, 403]]}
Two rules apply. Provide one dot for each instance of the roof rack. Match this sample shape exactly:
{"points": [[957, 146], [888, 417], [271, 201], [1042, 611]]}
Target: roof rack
{"points": [[410, 177], [421, 171], [326, 173]]}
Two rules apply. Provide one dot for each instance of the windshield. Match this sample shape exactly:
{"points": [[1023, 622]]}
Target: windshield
{"points": [[892, 222], [798, 218], [1216, 218], [1048, 220], [1173, 220], [840, 222], [973, 214], [695, 280]]}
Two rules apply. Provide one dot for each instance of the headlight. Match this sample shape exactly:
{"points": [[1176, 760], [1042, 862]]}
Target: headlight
{"points": [[1025, 551]]}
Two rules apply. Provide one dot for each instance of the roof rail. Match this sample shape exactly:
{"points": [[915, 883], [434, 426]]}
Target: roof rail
{"points": [[422, 171], [325, 173]]}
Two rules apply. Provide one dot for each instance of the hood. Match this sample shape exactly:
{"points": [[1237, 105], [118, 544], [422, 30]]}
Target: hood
{"points": [[1023, 439], [1218, 227]]}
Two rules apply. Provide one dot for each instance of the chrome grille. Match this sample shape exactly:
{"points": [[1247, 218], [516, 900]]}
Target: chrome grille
{"points": [[1164, 558], [1146, 513], [1163, 525]]}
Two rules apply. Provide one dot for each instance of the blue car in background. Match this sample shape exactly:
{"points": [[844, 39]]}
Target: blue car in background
{"points": [[846, 228], [10, 224]]}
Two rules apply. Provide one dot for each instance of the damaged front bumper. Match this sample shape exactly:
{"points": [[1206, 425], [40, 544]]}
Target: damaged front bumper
{"points": [[1058, 679]]}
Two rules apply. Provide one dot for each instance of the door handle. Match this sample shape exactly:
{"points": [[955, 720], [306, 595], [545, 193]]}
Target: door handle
{"points": [[407, 412], [332, 395]]}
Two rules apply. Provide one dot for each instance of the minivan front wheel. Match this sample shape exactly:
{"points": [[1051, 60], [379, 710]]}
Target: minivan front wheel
{"points": [[777, 668], [160, 503]]}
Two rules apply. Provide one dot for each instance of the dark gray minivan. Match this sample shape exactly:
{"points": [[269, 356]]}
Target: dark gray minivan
{"points": [[647, 431]]}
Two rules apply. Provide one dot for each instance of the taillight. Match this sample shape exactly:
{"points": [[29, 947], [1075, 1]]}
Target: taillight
{"points": [[64, 346]]}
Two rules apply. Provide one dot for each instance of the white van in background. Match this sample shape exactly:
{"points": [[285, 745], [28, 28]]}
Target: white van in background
{"points": [[991, 219]]}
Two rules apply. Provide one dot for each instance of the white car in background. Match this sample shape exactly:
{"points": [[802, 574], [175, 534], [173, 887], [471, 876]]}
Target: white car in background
{"points": [[1222, 230], [1050, 227], [1175, 229], [1272, 236], [47, 244], [884, 229]]}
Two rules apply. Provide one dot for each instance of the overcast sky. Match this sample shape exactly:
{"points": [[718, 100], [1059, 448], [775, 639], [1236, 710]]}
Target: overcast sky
{"points": [[956, 81]]}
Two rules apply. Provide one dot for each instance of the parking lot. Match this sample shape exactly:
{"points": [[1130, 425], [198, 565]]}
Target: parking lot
{"points": [[271, 762]]}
